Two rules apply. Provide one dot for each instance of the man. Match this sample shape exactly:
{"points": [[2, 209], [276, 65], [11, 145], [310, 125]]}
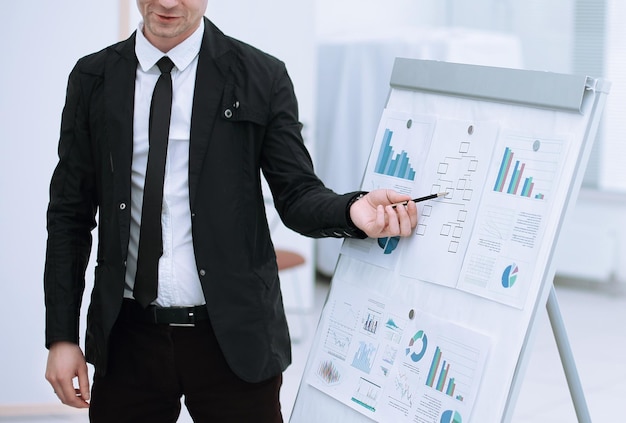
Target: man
{"points": [[215, 329]]}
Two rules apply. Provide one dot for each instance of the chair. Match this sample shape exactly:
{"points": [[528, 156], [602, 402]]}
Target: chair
{"points": [[288, 259]]}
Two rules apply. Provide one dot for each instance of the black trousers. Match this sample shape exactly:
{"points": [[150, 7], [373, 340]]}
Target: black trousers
{"points": [[152, 366]]}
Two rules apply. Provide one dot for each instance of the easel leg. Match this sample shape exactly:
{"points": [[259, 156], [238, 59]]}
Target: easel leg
{"points": [[567, 359]]}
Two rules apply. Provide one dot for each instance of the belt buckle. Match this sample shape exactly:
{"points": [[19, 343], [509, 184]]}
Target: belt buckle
{"points": [[190, 324]]}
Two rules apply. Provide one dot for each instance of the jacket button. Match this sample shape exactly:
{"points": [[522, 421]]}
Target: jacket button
{"points": [[122, 206], [228, 113], [202, 272]]}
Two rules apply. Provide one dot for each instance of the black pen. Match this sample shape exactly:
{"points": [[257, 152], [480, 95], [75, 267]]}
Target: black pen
{"points": [[428, 197]]}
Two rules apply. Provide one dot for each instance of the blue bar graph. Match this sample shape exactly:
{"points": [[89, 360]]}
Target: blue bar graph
{"points": [[391, 163]]}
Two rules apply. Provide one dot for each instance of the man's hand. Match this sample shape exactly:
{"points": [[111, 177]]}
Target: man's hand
{"points": [[65, 362], [375, 215]]}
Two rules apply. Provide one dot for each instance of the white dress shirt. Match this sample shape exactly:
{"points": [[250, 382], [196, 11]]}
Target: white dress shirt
{"points": [[179, 284]]}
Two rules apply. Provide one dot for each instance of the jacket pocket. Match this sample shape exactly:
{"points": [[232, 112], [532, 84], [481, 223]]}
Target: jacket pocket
{"points": [[238, 107]]}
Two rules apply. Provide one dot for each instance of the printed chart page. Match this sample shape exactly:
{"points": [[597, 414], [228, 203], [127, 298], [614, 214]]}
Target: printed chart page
{"points": [[517, 201], [421, 155], [392, 367], [457, 164], [511, 177], [398, 155]]}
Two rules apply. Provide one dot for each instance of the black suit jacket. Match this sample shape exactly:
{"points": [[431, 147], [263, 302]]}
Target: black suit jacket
{"points": [[244, 120]]}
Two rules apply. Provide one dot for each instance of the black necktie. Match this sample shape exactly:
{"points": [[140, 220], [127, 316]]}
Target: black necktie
{"points": [[150, 234]]}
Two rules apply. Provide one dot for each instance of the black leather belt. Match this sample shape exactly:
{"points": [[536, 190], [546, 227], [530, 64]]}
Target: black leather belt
{"points": [[173, 316]]}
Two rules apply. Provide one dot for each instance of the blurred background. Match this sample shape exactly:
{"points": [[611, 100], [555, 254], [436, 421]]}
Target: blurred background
{"points": [[339, 54]]}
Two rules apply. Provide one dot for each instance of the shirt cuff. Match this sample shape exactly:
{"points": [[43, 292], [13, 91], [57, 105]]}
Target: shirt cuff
{"points": [[357, 232]]}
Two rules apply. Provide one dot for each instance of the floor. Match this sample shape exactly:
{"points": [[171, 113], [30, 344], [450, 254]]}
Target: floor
{"points": [[594, 315]]}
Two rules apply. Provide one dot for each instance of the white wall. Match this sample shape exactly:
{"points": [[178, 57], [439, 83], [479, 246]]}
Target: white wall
{"points": [[613, 152], [43, 40], [592, 243], [346, 16]]}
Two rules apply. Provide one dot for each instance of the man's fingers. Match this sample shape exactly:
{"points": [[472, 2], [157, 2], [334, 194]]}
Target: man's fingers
{"points": [[73, 398], [409, 219], [404, 220], [395, 197], [58, 392], [380, 214], [64, 391], [83, 383], [381, 218], [68, 394], [393, 228]]}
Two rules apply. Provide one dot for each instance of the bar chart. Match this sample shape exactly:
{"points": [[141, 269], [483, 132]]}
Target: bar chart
{"points": [[392, 163], [366, 394], [364, 356], [400, 148], [452, 368], [438, 376], [515, 177], [527, 167]]}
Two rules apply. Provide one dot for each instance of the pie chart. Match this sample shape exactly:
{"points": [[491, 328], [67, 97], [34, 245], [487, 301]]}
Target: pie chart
{"points": [[509, 276], [388, 244], [417, 346], [450, 416]]}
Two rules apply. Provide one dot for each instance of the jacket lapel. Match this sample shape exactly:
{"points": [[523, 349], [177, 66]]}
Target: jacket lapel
{"points": [[214, 63], [119, 94]]}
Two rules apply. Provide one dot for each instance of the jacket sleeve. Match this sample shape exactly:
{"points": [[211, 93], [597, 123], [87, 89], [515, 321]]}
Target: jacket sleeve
{"points": [[302, 200], [70, 218]]}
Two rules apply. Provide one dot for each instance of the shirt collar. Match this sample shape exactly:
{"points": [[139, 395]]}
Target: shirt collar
{"points": [[182, 55]]}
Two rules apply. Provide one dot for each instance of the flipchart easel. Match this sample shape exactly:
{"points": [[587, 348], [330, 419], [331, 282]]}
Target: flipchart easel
{"points": [[563, 110]]}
